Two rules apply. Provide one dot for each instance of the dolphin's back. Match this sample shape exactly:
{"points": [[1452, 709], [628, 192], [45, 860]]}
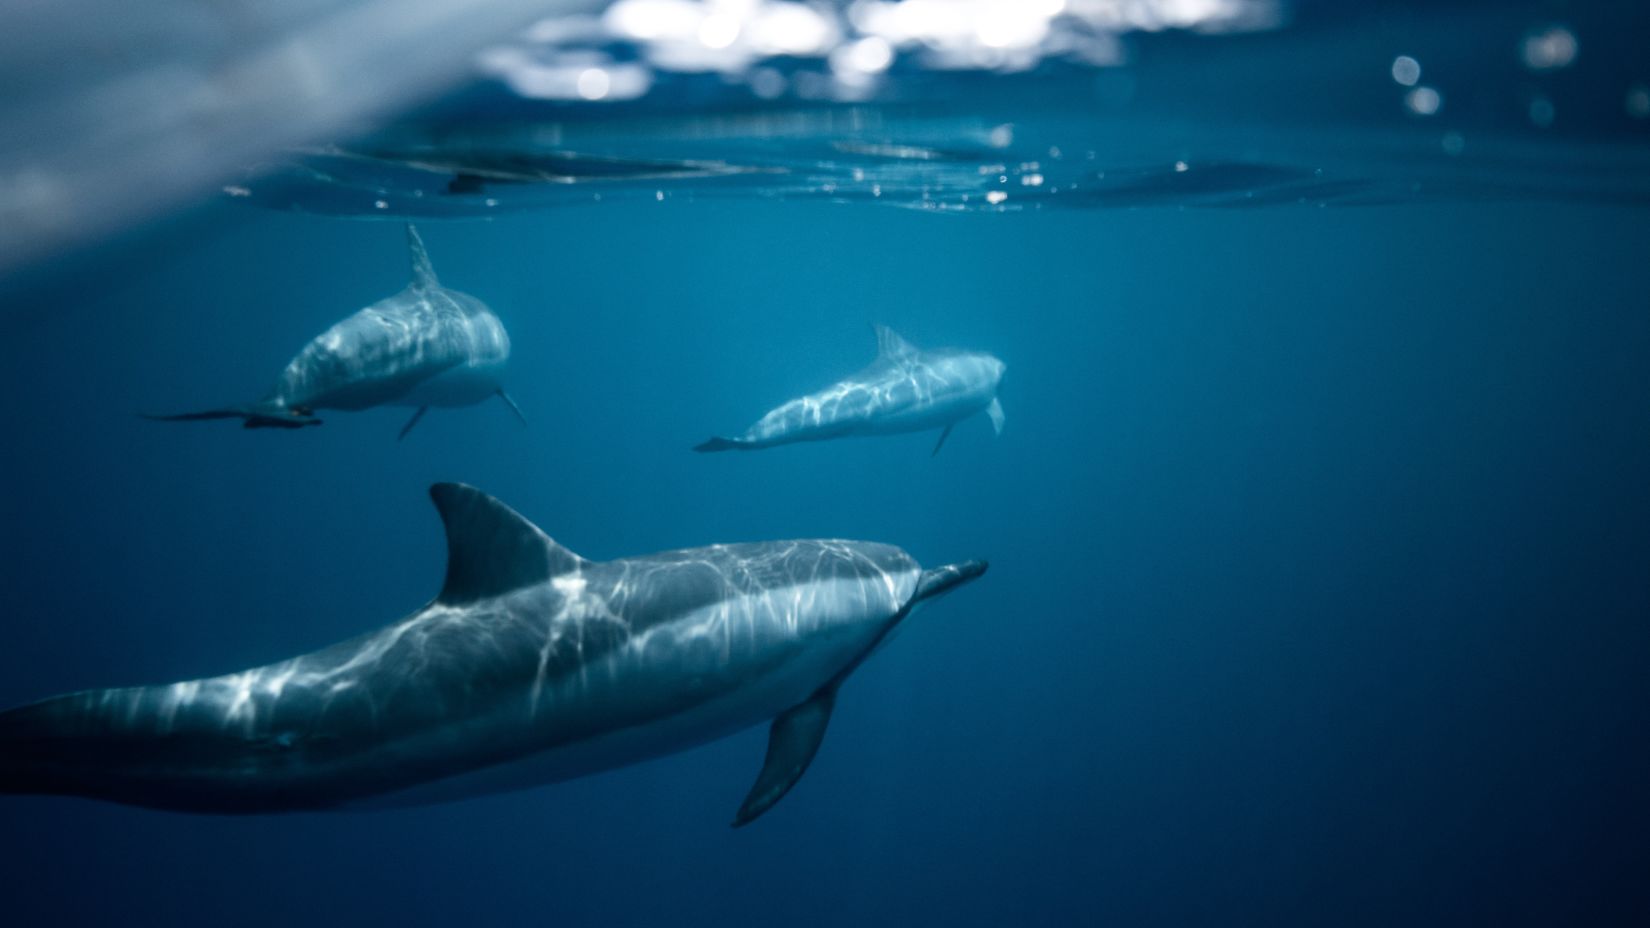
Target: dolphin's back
{"points": [[694, 577]]}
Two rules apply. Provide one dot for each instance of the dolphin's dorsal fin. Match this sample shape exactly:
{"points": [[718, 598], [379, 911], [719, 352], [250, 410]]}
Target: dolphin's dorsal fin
{"points": [[423, 274], [491, 549], [890, 345]]}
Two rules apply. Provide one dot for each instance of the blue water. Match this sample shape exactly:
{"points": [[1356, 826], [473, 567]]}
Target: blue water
{"points": [[1320, 586]]}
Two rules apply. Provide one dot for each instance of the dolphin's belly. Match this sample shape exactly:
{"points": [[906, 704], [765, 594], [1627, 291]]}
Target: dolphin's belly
{"points": [[327, 376], [927, 414], [357, 395], [463, 385]]}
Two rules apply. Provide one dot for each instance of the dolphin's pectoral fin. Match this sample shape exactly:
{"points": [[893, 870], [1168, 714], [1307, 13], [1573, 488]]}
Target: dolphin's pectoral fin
{"points": [[512, 404], [995, 411], [793, 740], [491, 549], [941, 443], [417, 415]]}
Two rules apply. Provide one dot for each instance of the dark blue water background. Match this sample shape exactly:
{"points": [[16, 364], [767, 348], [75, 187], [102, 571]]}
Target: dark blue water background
{"points": [[1320, 585]]}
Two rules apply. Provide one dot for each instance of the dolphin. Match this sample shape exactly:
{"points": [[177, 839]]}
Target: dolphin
{"points": [[425, 346], [904, 390], [532, 665]]}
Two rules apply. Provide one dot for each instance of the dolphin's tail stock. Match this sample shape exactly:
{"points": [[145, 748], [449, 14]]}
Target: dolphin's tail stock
{"points": [[726, 444], [14, 762], [25, 736], [253, 417], [133, 745], [78, 744]]}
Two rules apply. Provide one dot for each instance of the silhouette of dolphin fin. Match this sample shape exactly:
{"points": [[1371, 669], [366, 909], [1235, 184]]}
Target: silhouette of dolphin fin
{"points": [[512, 404], [417, 415], [723, 444], [253, 417], [793, 740], [466, 183], [941, 443]]}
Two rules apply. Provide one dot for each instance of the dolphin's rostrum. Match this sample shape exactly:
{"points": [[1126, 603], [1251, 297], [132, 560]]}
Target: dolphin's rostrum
{"points": [[425, 346], [904, 390], [532, 665]]}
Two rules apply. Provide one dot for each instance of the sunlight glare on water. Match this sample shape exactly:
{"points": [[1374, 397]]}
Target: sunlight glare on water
{"points": [[857, 40]]}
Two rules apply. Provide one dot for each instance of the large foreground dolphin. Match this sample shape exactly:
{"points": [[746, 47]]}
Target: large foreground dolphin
{"points": [[425, 346], [903, 390], [532, 665]]}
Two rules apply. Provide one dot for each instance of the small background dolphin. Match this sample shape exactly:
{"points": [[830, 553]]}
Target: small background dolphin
{"points": [[904, 390], [425, 346]]}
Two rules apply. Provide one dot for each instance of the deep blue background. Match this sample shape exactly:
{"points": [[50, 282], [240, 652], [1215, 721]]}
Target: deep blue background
{"points": [[1320, 587]]}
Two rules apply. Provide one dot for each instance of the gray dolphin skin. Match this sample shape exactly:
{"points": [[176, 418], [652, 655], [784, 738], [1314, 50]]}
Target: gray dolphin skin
{"points": [[425, 346], [904, 390], [533, 665]]}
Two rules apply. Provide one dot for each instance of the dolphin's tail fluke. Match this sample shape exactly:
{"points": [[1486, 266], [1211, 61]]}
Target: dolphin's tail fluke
{"points": [[252, 417], [726, 444]]}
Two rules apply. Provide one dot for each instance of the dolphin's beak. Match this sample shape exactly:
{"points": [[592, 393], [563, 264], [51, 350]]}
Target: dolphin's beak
{"points": [[942, 580]]}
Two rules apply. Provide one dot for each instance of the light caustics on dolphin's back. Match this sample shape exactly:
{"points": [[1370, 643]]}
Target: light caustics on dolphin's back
{"points": [[319, 730]]}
